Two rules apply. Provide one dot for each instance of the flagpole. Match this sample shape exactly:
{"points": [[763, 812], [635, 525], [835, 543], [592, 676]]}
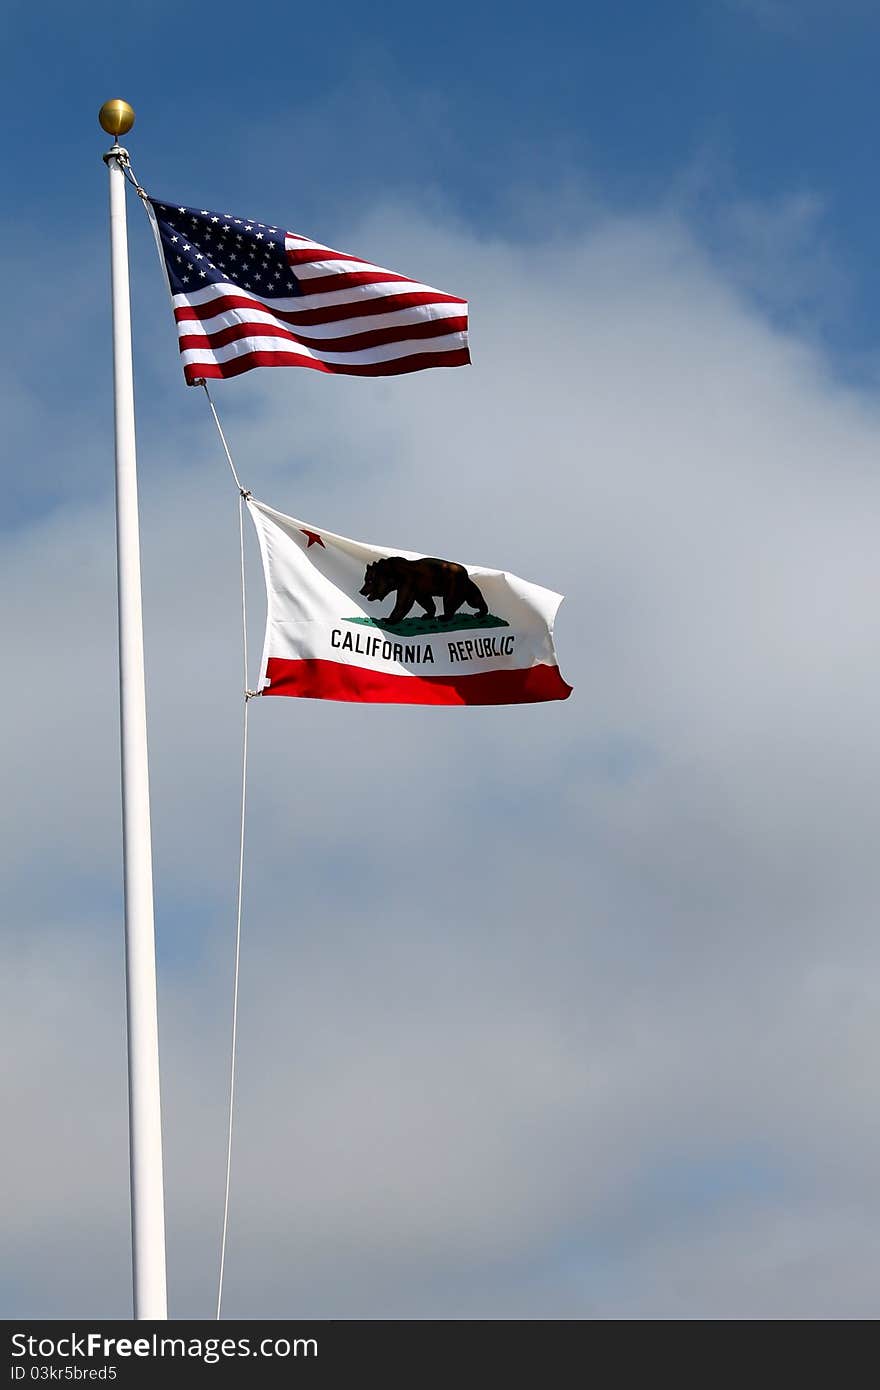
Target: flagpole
{"points": [[145, 1120]]}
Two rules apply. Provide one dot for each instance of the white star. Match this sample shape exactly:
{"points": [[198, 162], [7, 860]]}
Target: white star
{"points": [[181, 209], [187, 246], [204, 212], [186, 279], [173, 239], [202, 273], [200, 257], [259, 236], [215, 219]]}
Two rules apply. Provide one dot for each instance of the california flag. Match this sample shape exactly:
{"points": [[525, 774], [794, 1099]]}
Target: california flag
{"points": [[348, 621]]}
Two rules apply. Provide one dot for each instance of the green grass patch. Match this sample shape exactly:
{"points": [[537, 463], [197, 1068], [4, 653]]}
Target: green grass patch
{"points": [[422, 627]]}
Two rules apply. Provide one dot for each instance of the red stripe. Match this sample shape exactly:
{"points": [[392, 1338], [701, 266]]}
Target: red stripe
{"points": [[333, 680], [321, 253], [381, 304], [353, 342], [194, 371], [346, 279]]}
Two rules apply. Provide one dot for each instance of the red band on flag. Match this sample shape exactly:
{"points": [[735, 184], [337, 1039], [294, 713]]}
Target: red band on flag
{"points": [[334, 680], [395, 366]]}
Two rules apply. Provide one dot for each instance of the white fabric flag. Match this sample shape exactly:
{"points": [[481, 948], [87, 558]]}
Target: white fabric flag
{"points": [[349, 621]]}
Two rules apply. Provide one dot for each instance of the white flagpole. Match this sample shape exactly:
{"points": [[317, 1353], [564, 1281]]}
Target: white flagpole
{"points": [[145, 1121]]}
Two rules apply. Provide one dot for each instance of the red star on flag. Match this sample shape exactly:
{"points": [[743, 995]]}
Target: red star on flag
{"points": [[314, 539]]}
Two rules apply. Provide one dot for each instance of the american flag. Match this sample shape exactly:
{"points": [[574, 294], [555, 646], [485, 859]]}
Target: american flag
{"points": [[246, 294]]}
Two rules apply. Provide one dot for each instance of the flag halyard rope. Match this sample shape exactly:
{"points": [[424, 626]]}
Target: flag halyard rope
{"points": [[243, 496], [125, 165]]}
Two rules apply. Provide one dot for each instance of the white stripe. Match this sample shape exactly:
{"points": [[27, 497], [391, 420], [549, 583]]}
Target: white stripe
{"points": [[299, 243], [292, 242], [344, 328], [450, 342], [298, 304], [341, 260], [312, 270]]}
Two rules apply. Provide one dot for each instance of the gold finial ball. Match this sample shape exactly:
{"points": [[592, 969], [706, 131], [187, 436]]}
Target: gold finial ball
{"points": [[116, 117]]}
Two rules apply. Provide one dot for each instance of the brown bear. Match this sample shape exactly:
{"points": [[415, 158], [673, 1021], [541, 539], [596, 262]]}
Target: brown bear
{"points": [[417, 581]]}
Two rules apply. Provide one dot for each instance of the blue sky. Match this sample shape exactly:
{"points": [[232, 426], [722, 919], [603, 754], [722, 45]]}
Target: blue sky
{"points": [[640, 103], [582, 1033], [752, 120]]}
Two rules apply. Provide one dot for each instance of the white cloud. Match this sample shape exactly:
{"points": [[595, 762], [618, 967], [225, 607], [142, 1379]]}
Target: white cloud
{"points": [[502, 968], [798, 18]]}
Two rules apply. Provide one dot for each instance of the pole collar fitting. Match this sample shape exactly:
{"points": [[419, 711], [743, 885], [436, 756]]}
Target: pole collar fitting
{"points": [[116, 152]]}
